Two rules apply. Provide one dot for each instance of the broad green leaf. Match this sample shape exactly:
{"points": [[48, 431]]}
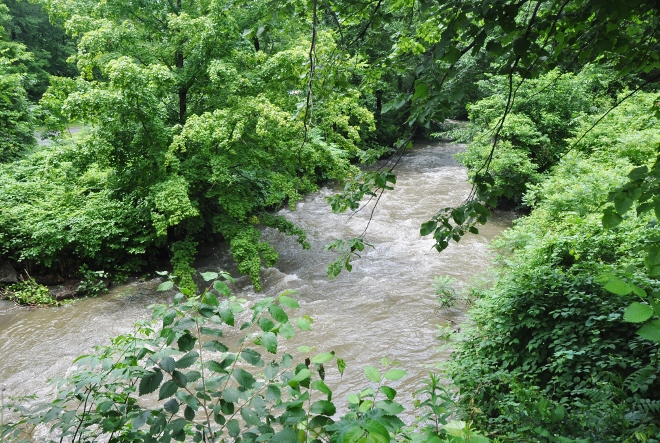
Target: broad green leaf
{"points": [[222, 288], [320, 386], [354, 434], [168, 389], [377, 432], [390, 407], [286, 435], [150, 382], [165, 286], [269, 341], [421, 91], [287, 331], [167, 364], [365, 406], [303, 324], [273, 393], [323, 358], [637, 313], [208, 276], [180, 378], [611, 218], [252, 357], [171, 406], [389, 392], [650, 330], [186, 342], [233, 427], [455, 428], [323, 407], [215, 345], [141, 419], [187, 360], [353, 399], [372, 374], [618, 286], [288, 302], [395, 374], [428, 228], [278, 313], [302, 375], [244, 378]]}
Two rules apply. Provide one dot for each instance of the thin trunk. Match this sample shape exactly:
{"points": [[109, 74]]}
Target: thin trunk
{"points": [[183, 91]]}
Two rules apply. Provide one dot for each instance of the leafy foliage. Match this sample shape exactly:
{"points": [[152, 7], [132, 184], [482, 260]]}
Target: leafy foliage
{"points": [[556, 348], [206, 368]]}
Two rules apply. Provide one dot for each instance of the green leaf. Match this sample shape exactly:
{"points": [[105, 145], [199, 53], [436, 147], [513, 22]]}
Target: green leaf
{"points": [[252, 357], [171, 406], [168, 389], [304, 324], [428, 228], [390, 407], [233, 427], [395, 374], [208, 276], [389, 392], [341, 366], [187, 360], [650, 330], [167, 364], [421, 91], [141, 419], [287, 331], [215, 345], [617, 286], [455, 428], [622, 203], [611, 219], [286, 435], [186, 342], [637, 313], [372, 374], [323, 407], [269, 341], [180, 378], [320, 386], [165, 286], [222, 288], [278, 313], [303, 374], [288, 302], [323, 358], [244, 378], [150, 382]]}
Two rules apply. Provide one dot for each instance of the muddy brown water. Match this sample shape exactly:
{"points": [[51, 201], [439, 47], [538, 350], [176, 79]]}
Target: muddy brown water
{"points": [[385, 307]]}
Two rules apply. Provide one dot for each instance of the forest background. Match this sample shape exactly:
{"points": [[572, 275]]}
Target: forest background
{"points": [[201, 118]]}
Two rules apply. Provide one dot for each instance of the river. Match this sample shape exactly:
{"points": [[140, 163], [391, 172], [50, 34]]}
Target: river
{"points": [[385, 307]]}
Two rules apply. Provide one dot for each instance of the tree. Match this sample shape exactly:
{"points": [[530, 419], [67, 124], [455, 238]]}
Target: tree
{"points": [[204, 130], [16, 119]]}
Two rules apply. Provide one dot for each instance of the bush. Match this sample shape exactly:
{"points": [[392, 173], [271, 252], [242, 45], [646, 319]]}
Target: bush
{"points": [[549, 353]]}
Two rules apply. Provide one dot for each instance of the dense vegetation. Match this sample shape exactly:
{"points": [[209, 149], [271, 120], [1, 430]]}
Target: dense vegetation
{"points": [[201, 117]]}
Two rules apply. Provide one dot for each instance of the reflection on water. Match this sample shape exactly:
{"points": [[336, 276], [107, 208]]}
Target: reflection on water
{"points": [[384, 308]]}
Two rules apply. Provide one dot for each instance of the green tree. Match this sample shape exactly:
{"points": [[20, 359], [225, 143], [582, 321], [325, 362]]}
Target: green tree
{"points": [[16, 118], [202, 131], [48, 43]]}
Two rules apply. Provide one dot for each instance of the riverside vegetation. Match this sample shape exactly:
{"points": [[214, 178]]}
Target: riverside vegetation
{"points": [[202, 117]]}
